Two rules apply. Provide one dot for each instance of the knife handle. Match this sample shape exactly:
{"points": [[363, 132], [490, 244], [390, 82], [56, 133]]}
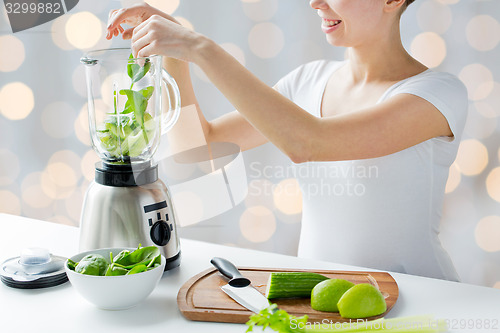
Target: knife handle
{"points": [[230, 271]]}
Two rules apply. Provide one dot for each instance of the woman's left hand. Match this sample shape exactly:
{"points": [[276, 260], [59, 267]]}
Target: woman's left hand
{"points": [[158, 35]]}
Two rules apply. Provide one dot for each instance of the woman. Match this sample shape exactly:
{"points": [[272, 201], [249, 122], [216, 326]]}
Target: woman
{"points": [[379, 123]]}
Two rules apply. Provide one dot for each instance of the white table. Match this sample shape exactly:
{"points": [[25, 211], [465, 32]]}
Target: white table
{"points": [[61, 309]]}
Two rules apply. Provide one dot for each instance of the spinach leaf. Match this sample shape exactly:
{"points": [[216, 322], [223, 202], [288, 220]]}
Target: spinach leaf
{"points": [[135, 71], [137, 269]]}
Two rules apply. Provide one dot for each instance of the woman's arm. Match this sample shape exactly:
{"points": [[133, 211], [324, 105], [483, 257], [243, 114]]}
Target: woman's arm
{"points": [[231, 127], [399, 123]]}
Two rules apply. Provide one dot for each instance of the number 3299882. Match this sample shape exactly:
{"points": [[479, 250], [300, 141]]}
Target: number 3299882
{"points": [[32, 8]]}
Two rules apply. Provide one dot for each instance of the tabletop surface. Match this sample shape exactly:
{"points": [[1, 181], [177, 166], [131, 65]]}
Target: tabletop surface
{"points": [[467, 308]]}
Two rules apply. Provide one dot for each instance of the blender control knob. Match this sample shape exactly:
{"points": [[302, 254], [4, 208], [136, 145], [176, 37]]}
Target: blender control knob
{"points": [[160, 233]]}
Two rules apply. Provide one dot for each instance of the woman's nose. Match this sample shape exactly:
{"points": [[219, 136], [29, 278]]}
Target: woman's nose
{"points": [[318, 4]]}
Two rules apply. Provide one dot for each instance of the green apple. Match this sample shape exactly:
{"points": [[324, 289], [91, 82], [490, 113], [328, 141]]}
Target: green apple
{"points": [[361, 301], [326, 294]]}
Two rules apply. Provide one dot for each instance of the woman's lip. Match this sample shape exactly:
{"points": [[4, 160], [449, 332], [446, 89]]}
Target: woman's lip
{"points": [[328, 29]]}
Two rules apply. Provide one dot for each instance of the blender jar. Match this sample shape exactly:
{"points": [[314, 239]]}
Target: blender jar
{"points": [[128, 107]]}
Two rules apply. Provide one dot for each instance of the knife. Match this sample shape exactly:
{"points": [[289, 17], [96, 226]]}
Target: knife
{"points": [[239, 287]]}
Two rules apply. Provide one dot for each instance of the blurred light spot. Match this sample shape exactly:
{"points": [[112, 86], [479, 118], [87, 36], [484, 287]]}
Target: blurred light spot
{"points": [[497, 285], [59, 36], [185, 22], [454, 179], [82, 126], [260, 193], [472, 157], [493, 184], [478, 79], [429, 48], [9, 167], [168, 7], [79, 80], [9, 203], [36, 197], [32, 192], [235, 51], [84, 30], [288, 196], [440, 20], [487, 233], [69, 158], [88, 164], [11, 53], [257, 224], [266, 40], [483, 32], [57, 120], [16, 101], [486, 109], [261, 10], [61, 174], [480, 127]]}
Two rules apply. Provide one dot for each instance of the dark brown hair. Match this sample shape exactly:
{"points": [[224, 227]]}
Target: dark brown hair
{"points": [[409, 2]]}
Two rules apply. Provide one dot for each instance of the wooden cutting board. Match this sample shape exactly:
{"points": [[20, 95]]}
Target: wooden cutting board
{"points": [[201, 298]]}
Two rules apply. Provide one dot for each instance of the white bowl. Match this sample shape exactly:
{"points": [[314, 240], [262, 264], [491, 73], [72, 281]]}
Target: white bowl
{"points": [[114, 292]]}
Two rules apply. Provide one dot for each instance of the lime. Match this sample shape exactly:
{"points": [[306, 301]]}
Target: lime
{"points": [[92, 264], [326, 294], [361, 301]]}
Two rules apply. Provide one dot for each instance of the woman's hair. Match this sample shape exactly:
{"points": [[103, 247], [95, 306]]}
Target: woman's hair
{"points": [[409, 2]]}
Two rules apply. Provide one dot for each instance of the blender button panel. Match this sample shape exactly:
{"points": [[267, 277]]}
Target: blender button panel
{"points": [[166, 217], [158, 215], [150, 222]]}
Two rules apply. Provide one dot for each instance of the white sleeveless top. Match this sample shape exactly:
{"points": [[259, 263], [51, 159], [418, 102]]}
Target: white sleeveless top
{"points": [[381, 213]]}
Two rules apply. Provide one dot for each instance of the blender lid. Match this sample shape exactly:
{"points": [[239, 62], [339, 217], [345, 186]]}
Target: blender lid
{"points": [[33, 272]]}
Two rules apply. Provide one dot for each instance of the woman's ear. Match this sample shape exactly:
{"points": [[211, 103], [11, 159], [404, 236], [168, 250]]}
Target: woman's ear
{"points": [[394, 5]]}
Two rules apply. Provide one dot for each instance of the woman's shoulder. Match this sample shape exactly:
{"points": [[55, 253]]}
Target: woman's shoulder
{"points": [[436, 82]]}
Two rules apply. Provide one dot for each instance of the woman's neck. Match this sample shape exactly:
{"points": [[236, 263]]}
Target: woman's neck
{"points": [[383, 60]]}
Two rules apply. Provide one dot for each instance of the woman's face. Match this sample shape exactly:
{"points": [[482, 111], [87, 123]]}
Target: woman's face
{"points": [[351, 23]]}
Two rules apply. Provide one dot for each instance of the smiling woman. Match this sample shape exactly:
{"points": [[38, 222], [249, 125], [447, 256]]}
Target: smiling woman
{"points": [[380, 108]]}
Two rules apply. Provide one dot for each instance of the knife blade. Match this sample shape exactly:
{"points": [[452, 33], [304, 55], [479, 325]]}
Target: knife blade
{"points": [[239, 288]]}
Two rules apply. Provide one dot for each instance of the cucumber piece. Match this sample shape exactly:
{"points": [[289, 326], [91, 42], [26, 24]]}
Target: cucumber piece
{"points": [[292, 284]]}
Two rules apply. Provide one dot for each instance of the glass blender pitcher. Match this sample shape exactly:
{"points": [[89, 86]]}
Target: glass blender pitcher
{"points": [[127, 110], [131, 103]]}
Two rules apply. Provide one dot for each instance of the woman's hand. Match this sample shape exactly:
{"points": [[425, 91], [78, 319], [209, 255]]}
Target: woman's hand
{"points": [[160, 35], [132, 16], [153, 32]]}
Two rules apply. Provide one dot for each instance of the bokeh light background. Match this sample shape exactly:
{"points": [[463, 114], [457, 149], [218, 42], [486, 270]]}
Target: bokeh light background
{"points": [[46, 162]]}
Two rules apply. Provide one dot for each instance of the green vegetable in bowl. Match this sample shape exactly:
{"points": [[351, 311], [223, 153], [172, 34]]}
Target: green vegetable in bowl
{"points": [[124, 263], [92, 264]]}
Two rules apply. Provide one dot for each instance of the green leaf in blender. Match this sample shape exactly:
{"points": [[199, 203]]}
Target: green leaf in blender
{"points": [[135, 71]]}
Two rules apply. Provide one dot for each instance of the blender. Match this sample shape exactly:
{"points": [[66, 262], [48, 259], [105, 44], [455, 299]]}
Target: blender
{"points": [[131, 103]]}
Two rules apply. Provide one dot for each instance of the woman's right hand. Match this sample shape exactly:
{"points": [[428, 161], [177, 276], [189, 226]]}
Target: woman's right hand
{"points": [[132, 16]]}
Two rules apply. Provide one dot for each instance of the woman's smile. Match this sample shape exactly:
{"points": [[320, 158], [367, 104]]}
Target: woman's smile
{"points": [[330, 25]]}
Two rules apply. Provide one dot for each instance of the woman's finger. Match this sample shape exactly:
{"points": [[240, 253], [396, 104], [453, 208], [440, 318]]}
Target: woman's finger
{"points": [[128, 15], [139, 44]]}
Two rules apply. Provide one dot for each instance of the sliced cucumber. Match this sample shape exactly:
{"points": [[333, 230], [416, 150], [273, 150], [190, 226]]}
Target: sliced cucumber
{"points": [[292, 284]]}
